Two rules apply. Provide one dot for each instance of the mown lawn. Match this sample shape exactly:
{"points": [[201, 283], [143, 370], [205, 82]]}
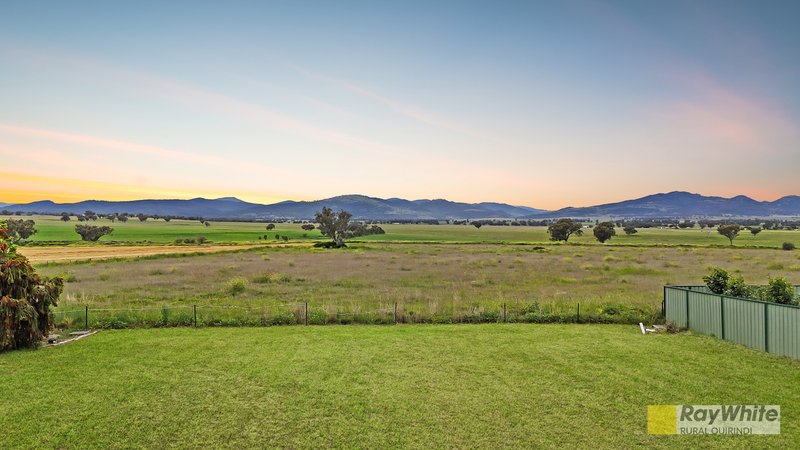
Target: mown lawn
{"points": [[468, 386]]}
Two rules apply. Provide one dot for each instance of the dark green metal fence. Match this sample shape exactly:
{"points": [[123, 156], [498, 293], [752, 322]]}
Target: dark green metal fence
{"points": [[770, 327]]}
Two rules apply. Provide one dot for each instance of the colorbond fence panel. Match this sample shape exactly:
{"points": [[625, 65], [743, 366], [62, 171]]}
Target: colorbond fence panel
{"points": [[765, 326], [705, 313], [744, 322], [783, 329], [676, 306]]}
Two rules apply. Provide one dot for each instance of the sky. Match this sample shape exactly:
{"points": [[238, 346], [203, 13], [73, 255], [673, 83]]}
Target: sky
{"points": [[545, 104]]}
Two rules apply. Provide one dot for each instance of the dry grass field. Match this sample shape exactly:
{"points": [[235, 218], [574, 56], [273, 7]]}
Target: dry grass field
{"points": [[423, 279], [99, 252]]}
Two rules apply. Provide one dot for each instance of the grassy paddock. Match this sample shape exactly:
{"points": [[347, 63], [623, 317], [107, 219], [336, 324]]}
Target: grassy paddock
{"points": [[447, 386], [51, 229], [429, 282]]}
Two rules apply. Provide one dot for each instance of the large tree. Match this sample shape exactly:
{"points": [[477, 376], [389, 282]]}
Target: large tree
{"points": [[604, 231], [563, 229], [25, 298], [92, 233], [19, 229], [333, 225], [729, 230]]}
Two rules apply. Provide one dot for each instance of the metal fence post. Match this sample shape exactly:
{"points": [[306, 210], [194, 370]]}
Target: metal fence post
{"points": [[504, 313], [722, 314], [306, 313], [195, 316], [687, 309], [766, 327], [579, 314], [86, 317], [395, 313]]}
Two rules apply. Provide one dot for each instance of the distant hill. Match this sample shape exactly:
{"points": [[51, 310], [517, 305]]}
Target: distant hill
{"points": [[201, 207], [683, 204], [672, 204], [232, 208]]}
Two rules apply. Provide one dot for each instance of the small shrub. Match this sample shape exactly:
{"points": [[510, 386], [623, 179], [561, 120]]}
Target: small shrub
{"points": [[737, 287], [788, 246], [104, 276], [317, 317], [236, 286], [717, 280], [779, 291]]}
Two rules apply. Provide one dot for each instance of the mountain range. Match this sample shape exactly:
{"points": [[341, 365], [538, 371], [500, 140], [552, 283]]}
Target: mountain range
{"points": [[360, 206], [667, 205], [684, 204]]}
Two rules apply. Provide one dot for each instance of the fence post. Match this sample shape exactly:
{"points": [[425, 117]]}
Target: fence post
{"points": [[86, 317], [195, 316], [664, 304], [687, 309], [504, 313], [306, 313], [579, 313], [722, 314], [395, 313], [766, 327]]}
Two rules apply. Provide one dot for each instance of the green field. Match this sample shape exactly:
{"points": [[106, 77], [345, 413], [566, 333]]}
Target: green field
{"points": [[52, 229], [157, 231], [448, 386]]}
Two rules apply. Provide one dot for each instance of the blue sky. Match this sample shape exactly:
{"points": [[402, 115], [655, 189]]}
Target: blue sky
{"points": [[546, 104]]}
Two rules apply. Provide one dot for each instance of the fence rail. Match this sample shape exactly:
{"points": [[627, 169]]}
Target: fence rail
{"points": [[771, 327]]}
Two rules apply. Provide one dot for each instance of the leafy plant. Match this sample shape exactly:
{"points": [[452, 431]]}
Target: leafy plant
{"points": [[717, 280], [779, 290], [25, 298], [737, 287]]}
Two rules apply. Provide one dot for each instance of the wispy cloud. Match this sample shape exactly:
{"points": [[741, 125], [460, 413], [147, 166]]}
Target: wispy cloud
{"points": [[409, 111], [198, 98], [159, 152]]}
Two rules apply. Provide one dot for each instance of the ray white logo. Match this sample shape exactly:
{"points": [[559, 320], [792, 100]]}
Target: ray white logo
{"points": [[714, 419]]}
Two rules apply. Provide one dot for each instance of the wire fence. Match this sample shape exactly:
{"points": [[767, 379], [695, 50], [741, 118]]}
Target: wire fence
{"points": [[305, 313]]}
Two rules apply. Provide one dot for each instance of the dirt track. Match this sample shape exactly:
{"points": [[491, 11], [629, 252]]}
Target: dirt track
{"points": [[54, 254]]}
